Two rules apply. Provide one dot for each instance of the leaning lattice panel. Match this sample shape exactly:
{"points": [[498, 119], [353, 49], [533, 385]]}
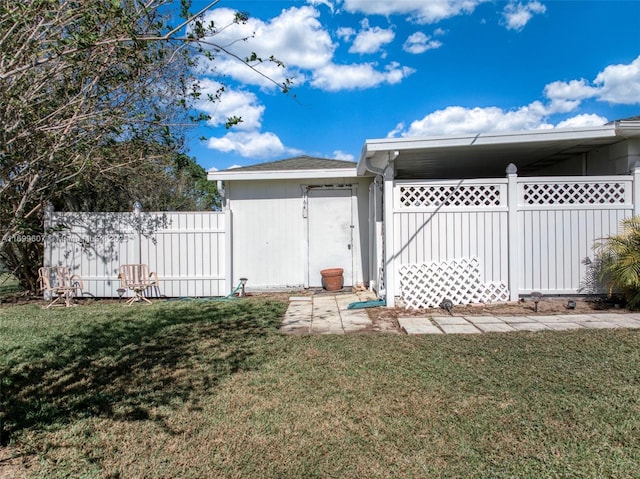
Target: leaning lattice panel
{"points": [[427, 285], [494, 293]]}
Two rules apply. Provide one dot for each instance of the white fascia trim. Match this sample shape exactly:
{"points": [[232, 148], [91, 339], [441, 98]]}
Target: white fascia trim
{"points": [[282, 174], [490, 138]]}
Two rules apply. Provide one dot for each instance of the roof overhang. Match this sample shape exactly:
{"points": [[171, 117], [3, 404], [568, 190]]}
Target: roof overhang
{"points": [[230, 175], [488, 154]]}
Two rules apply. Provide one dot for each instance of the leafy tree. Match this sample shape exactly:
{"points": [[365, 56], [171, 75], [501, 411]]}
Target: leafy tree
{"points": [[619, 262], [94, 100], [178, 183]]}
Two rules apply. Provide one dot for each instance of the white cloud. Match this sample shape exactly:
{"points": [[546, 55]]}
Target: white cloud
{"points": [[419, 42], [251, 144], [615, 84], [567, 96], [326, 3], [459, 120], [419, 11], [345, 33], [354, 77], [341, 155], [517, 15], [571, 90], [295, 37], [232, 103], [582, 121], [371, 39], [397, 131], [620, 83]]}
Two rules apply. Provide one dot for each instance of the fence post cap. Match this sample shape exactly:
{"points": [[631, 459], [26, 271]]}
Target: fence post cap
{"points": [[511, 169]]}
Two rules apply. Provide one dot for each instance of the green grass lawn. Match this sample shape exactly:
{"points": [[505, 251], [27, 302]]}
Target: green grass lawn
{"points": [[211, 389]]}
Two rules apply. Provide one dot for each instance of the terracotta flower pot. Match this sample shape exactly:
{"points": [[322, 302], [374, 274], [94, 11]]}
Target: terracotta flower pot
{"points": [[332, 279]]}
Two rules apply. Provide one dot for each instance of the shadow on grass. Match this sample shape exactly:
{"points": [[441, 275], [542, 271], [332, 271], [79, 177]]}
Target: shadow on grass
{"points": [[129, 363]]}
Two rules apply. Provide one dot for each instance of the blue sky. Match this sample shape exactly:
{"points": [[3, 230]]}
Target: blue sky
{"points": [[366, 69]]}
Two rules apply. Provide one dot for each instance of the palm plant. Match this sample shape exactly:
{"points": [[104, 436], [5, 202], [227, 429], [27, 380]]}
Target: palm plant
{"points": [[619, 258]]}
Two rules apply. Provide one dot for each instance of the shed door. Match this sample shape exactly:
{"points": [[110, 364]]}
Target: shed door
{"points": [[330, 233]]}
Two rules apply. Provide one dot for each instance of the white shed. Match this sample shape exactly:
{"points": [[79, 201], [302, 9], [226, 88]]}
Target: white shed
{"points": [[292, 218]]}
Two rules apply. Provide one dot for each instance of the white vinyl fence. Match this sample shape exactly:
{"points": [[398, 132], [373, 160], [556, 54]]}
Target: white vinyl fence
{"points": [[559, 222], [187, 250], [511, 235]]}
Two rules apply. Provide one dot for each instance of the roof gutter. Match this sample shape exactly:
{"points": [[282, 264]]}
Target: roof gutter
{"points": [[391, 156], [627, 128]]}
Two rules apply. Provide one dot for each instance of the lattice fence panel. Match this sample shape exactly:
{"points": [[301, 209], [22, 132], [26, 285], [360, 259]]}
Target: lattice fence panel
{"points": [[495, 293], [449, 195], [574, 193], [426, 285]]}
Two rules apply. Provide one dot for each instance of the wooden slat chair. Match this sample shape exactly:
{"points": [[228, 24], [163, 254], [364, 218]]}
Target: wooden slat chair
{"points": [[63, 288], [137, 278]]}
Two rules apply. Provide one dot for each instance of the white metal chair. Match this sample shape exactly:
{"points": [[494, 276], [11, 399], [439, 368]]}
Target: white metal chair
{"points": [[63, 288], [138, 279]]}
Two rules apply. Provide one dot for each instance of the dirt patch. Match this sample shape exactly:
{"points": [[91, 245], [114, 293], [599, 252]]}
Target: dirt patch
{"points": [[384, 321], [13, 464]]}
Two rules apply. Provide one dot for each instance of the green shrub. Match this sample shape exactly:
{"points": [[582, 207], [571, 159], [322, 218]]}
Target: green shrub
{"points": [[619, 262]]}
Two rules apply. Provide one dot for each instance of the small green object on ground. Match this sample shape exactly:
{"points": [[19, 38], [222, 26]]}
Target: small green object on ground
{"points": [[367, 304]]}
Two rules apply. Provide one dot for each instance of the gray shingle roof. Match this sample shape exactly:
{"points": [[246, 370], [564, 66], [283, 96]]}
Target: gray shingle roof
{"points": [[298, 163]]}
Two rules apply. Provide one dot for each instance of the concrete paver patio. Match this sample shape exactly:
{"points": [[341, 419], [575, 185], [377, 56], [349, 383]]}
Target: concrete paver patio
{"points": [[503, 324], [329, 314]]}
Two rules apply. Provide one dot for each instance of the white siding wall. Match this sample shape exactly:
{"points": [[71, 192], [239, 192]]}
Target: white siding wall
{"points": [[269, 231]]}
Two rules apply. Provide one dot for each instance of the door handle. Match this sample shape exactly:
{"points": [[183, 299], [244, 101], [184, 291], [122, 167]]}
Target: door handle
{"points": [[348, 246]]}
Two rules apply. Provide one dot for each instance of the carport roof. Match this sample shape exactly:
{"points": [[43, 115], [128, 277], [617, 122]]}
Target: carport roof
{"points": [[292, 168], [488, 154]]}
